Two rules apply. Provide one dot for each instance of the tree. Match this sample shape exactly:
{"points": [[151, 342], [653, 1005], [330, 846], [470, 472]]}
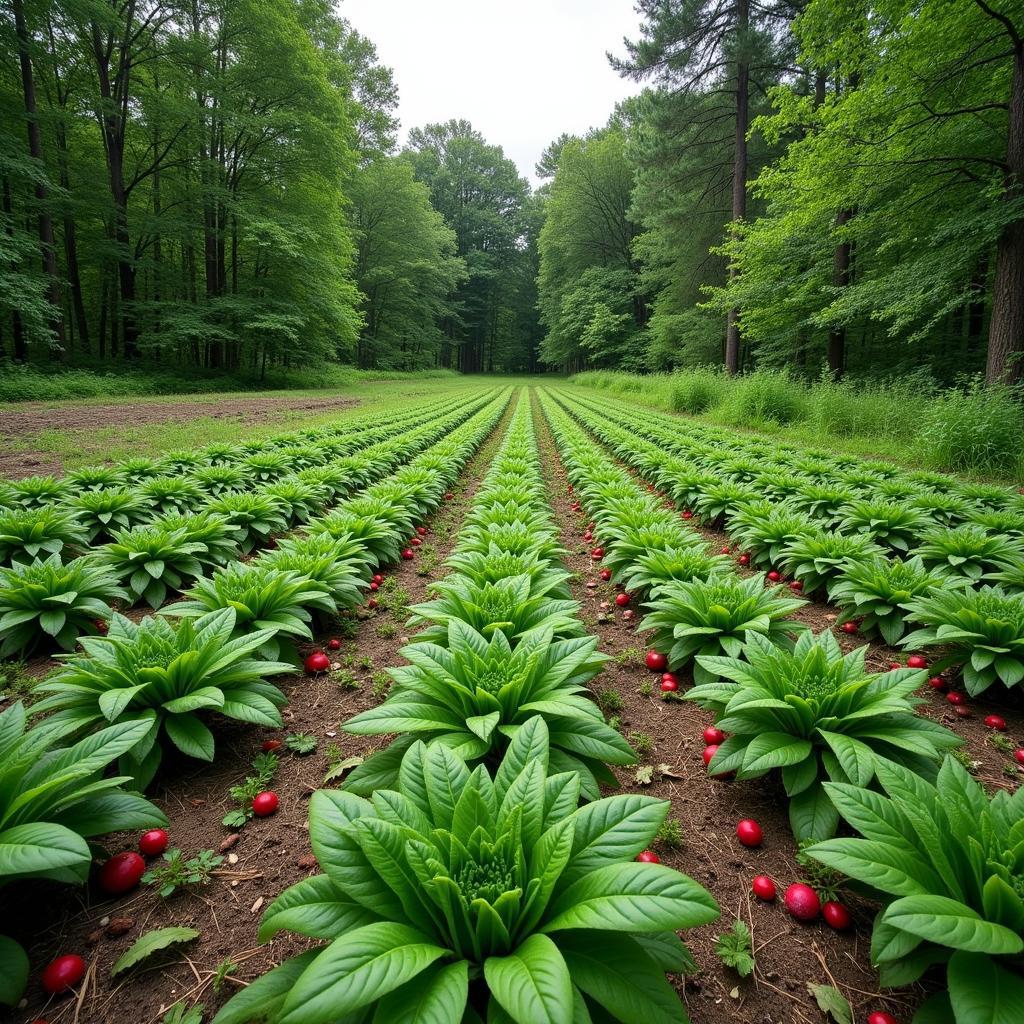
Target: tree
{"points": [[707, 53], [406, 267], [482, 198]]}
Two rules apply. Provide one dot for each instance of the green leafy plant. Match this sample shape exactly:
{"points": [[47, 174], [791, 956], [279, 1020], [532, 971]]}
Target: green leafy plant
{"points": [[819, 559], [764, 528], [502, 900], [253, 515], [515, 605], [274, 601], [171, 494], [215, 533], [892, 523], [153, 560], [876, 593], [651, 569], [815, 713], [161, 676], [264, 768], [473, 694], [30, 533], [53, 797], [982, 629], [48, 601], [338, 564], [948, 862], [178, 872], [102, 513], [735, 950], [707, 617], [968, 550], [301, 743]]}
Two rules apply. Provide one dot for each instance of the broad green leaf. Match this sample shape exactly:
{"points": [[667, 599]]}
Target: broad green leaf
{"points": [[982, 991], [437, 996], [532, 983], [949, 923], [13, 971]]}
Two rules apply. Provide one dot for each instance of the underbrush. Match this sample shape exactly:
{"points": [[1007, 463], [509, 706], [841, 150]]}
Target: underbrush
{"points": [[969, 429], [44, 384]]}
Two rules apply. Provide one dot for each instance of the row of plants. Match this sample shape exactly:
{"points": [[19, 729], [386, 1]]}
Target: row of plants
{"points": [[47, 602], [945, 861], [462, 881], [145, 687], [846, 534]]}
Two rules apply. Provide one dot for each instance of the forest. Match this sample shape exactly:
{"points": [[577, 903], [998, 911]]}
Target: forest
{"points": [[809, 185]]}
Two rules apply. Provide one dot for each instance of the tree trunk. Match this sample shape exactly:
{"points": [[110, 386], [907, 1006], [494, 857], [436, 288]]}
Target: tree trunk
{"points": [[739, 171], [1006, 325], [35, 149], [19, 350], [113, 125], [840, 278], [71, 247]]}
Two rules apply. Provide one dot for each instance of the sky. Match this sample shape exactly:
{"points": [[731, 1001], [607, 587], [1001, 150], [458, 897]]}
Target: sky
{"points": [[521, 72]]}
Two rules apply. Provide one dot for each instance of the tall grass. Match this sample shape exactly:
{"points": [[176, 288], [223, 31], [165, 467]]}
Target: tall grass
{"points": [[967, 429], [33, 383]]}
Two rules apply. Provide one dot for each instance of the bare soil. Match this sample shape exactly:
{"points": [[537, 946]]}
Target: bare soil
{"points": [[269, 855], [789, 955], [20, 423]]}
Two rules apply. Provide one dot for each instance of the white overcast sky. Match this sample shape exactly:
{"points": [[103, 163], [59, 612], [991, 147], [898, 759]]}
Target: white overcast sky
{"points": [[522, 72]]}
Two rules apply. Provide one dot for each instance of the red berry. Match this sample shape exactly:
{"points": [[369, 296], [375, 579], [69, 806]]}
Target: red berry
{"points": [[773, 576], [448, 496], [62, 974], [669, 686], [744, 559], [797, 586], [372, 603], [669, 677], [916, 661], [101, 627], [122, 873], [956, 697], [1018, 755], [264, 804], [726, 549], [408, 554], [317, 662], [597, 554], [713, 736], [802, 902], [622, 600], [606, 574], [881, 1017], [271, 745], [421, 530], [378, 579], [656, 661], [374, 585], [648, 857], [153, 842], [836, 916], [849, 627], [937, 683], [628, 615], [763, 888], [686, 514], [588, 536], [334, 644], [893, 665], [962, 710], [996, 722], [709, 752], [749, 833], [415, 542]]}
